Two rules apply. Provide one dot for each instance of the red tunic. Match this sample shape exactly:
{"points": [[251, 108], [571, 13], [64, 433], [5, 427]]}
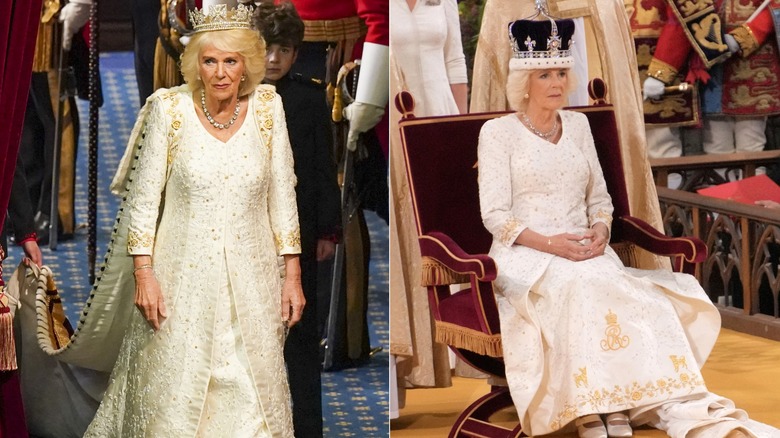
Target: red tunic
{"points": [[750, 85]]}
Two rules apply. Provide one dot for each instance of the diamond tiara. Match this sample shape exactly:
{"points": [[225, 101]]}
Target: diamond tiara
{"points": [[219, 18]]}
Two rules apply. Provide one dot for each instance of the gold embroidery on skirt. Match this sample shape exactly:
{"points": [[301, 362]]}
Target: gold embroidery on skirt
{"points": [[613, 341]]}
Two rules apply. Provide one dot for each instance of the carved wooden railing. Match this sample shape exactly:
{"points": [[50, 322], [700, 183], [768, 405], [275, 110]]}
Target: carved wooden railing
{"points": [[699, 170], [740, 274]]}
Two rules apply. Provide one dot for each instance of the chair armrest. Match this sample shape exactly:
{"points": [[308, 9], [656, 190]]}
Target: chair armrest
{"points": [[444, 250], [639, 232]]}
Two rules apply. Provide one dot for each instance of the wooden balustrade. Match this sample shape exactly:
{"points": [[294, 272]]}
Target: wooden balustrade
{"points": [[699, 170], [741, 273]]}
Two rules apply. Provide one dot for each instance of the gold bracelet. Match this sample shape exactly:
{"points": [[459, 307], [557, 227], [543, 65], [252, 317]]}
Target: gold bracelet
{"points": [[146, 266]]}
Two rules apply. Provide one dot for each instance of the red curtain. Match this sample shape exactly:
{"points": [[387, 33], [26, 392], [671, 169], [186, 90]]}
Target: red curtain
{"points": [[18, 30]]}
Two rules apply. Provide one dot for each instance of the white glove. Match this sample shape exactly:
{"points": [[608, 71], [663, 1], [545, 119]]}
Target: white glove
{"points": [[362, 117], [732, 43], [73, 17], [653, 88], [372, 92]]}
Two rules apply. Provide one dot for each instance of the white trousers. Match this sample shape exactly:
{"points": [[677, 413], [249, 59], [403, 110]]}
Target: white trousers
{"points": [[725, 134]]}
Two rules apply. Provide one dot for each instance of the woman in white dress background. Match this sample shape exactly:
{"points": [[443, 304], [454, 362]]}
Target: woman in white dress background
{"points": [[585, 339], [426, 59], [209, 206]]}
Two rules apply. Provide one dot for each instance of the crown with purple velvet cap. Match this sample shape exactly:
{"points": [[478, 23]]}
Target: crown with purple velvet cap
{"points": [[541, 44]]}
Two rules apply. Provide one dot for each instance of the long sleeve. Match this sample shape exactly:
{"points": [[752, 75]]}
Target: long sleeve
{"points": [[596, 195], [328, 195], [672, 50], [281, 190], [453, 47], [147, 182], [495, 186], [20, 209], [375, 14], [754, 33]]}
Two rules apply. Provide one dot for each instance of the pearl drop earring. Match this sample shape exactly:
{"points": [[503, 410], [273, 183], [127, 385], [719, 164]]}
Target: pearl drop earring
{"points": [[526, 96]]}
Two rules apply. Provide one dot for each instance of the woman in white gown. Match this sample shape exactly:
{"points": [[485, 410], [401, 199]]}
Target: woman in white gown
{"points": [[426, 56], [583, 335], [210, 206]]}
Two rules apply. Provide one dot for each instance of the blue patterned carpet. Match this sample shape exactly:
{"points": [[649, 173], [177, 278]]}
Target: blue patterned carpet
{"points": [[355, 401]]}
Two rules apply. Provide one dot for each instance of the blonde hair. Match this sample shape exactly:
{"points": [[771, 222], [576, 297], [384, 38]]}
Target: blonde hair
{"points": [[247, 43], [518, 83]]}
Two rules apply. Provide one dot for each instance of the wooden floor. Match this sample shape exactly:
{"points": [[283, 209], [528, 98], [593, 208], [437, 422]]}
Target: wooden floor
{"points": [[743, 368]]}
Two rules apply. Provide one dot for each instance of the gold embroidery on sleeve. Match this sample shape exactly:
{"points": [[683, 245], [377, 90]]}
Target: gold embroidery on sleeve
{"points": [[142, 240], [602, 216], [290, 240], [508, 230], [264, 114], [613, 339], [176, 122]]}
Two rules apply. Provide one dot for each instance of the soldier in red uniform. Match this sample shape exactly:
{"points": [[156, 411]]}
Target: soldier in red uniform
{"points": [[739, 91], [356, 29]]}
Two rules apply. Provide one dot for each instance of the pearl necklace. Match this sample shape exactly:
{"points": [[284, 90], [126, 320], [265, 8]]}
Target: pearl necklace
{"points": [[211, 119], [545, 135]]}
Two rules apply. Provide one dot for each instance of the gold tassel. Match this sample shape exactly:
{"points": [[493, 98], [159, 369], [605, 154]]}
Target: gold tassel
{"points": [[7, 343], [469, 339], [436, 274], [626, 252]]}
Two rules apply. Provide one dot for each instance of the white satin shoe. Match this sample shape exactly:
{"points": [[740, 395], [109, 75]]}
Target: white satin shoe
{"points": [[591, 426], [618, 425]]}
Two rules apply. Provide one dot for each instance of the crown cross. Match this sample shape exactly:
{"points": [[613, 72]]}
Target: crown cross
{"points": [[219, 17], [530, 44]]}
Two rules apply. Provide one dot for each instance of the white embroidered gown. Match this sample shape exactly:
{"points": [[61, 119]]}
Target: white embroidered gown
{"points": [[580, 337], [215, 368]]}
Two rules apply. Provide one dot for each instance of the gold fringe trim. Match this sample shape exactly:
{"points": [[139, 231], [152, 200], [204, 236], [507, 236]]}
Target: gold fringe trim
{"points": [[469, 339], [7, 343], [627, 253], [436, 274]]}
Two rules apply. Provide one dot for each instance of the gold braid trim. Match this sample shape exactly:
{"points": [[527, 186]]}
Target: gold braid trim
{"points": [[746, 40], [469, 339], [436, 274], [661, 71], [334, 30], [58, 334]]}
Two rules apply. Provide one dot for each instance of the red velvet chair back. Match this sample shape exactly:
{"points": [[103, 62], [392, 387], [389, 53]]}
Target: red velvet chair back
{"points": [[603, 126], [441, 158]]}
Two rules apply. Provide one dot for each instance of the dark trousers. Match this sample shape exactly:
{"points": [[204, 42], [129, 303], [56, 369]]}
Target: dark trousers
{"points": [[37, 145], [301, 352], [145, 34]]}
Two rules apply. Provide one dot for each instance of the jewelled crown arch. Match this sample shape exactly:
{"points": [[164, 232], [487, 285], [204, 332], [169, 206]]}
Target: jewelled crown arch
{"points": [[539, 44]]}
